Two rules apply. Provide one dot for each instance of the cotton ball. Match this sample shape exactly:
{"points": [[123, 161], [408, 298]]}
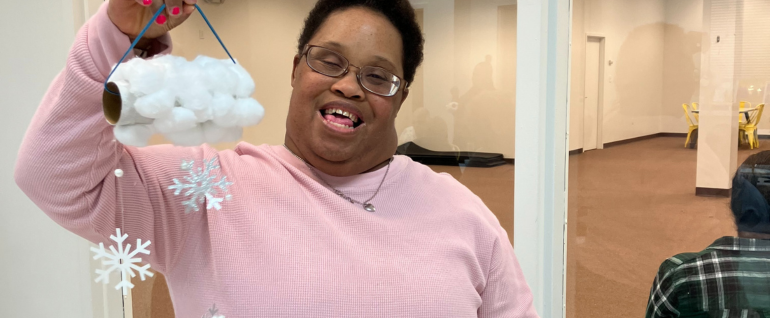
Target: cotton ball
{"points": [[245, 87], [128, 115], [157, 104], [194, 98], [187, 138], [167, 61], [249, 112], [183, 77], [124, 71], [203, 115], [133, 135], [222, 107], [216, 134], [178, 119], [202, 60], [220, 78], [146, 78]]}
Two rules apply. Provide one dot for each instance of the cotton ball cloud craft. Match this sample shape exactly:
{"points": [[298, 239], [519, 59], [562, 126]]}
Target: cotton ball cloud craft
{"points": [[189, 102]]}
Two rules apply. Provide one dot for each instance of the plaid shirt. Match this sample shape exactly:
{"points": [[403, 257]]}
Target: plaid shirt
{"points": [[730, 278]]}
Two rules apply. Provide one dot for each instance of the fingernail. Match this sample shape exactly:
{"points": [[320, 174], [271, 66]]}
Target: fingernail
{"points": [[176, 11], [147, 2], [161, 19]]}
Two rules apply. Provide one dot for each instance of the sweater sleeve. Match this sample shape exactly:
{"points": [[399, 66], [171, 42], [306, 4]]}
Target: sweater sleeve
{"points": [[506, 293], [68, 158]]}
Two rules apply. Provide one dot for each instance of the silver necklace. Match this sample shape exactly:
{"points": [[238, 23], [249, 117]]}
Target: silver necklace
{"points": [[366, 204]]}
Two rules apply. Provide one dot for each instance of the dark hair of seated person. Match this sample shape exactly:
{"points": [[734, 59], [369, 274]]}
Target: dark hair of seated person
{"points": [[750, 194]]}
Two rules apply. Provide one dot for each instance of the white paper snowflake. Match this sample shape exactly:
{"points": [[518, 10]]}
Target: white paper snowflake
{"points": [[212, 313], [122, 260], [201, 186]]}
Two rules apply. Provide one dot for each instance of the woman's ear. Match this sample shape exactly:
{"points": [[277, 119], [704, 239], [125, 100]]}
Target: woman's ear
{"points": [[404, 94], [297, 58]]}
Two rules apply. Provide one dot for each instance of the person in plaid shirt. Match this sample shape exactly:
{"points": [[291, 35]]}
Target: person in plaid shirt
{"points": [[731, 277]]}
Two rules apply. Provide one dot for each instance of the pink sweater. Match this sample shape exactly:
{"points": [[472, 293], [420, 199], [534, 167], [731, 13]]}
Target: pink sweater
{"points": [[282, 245]]}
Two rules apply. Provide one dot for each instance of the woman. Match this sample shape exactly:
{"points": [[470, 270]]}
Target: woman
{"points": [[731, 277], [330, 224]]}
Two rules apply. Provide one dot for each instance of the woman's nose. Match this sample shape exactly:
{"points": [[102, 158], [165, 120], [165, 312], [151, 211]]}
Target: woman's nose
{"points": [[349, 86]]}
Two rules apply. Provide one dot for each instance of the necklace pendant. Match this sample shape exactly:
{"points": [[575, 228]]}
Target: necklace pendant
{"points": [[369, 207]]}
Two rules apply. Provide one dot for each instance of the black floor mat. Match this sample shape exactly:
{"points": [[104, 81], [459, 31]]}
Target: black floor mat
{"points": [[450, 158]]}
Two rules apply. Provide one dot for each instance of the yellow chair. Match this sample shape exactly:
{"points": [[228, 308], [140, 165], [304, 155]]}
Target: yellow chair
{"points": [[750, 128], [693, 127], [742, 106], [695, 107]]}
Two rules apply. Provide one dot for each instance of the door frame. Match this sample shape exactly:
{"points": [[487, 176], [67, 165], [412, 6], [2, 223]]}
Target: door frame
{"points": [[600, 101]]}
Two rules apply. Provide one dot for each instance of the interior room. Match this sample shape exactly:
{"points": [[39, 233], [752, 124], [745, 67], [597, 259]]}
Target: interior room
{"points": [[644, 181]]}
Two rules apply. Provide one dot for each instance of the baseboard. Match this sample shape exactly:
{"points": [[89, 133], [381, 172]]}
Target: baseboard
{"points": [[682, 135], [630, 140], [712, 192], [576, 151]]}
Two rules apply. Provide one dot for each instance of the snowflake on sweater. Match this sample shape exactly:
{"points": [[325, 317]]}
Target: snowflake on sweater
{"points": [[122, 260], [201, 186], [212, 313]]}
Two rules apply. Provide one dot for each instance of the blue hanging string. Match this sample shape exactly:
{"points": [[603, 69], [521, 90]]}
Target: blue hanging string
{"points": [[141, 34]]}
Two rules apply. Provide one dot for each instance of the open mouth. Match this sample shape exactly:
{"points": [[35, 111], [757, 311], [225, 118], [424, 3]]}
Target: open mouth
{"points": [[341, 118]]}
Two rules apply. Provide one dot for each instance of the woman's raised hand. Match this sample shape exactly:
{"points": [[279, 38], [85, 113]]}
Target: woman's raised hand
{"points": [[131, 16]]}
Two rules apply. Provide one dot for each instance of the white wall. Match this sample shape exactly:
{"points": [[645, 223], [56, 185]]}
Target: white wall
{"points": [[44, 268], [681, 62], [45, 271], [633, 87], [752, 57], [577, 75], [459, 35]]}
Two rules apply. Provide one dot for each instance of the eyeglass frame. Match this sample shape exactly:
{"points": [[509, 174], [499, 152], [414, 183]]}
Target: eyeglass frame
{"points": [[307, 48]]}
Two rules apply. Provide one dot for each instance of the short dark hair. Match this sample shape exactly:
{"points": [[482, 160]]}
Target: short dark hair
{"points": [[399, 12], [750, 194]]}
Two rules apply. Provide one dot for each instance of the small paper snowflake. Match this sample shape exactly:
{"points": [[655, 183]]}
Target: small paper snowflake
{"points": [[212, 313], [201, 186], [122, 260]]}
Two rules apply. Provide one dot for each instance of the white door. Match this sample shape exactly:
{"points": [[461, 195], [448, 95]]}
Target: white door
{"points": [[592, 104]]}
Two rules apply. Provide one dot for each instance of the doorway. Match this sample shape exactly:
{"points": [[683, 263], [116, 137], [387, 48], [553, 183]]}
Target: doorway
{"points": [[594, 92]]}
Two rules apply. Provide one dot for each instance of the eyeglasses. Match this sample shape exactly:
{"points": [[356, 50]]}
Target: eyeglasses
{"points": [[374, 79]]}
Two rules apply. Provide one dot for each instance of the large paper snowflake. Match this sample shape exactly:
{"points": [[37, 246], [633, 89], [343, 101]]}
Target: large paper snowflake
{"points": [[212, 313], [201, 185], [122, 260]]}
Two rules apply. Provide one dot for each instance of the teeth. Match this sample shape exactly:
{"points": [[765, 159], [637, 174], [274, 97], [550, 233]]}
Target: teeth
{"points": [[352, 117]]}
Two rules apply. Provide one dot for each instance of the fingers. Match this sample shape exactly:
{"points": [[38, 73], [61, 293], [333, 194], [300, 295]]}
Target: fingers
{"points": [[189, 6], [174, 8], [176, 11]]}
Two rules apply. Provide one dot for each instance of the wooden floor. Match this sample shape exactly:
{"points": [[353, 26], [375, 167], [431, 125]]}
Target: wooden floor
{"points": [[630, 207]]}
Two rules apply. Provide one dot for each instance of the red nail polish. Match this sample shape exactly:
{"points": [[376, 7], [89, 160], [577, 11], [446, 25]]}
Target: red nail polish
{"points": [[176, 11], [161, 19], [147, 2]]}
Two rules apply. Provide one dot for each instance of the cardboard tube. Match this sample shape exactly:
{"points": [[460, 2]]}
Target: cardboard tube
{"points": [[112, 104], [119, 109]]}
